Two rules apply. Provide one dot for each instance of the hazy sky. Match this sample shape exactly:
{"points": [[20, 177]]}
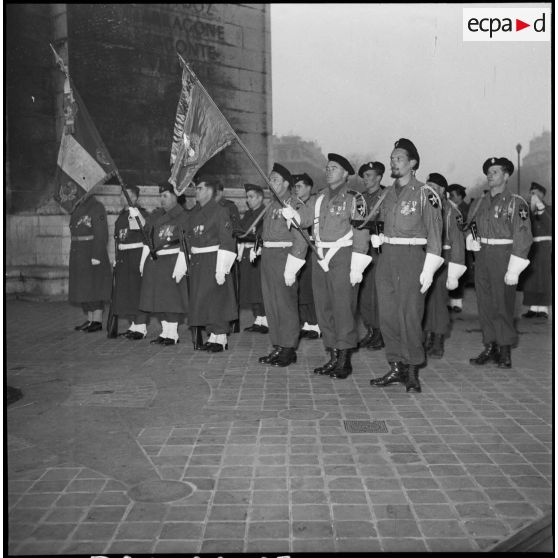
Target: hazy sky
{"points": [[356, 77]]}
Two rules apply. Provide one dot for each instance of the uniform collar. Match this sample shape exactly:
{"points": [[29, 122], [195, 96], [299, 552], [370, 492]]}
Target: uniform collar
{"points": [[412, 184], [340, 191]]}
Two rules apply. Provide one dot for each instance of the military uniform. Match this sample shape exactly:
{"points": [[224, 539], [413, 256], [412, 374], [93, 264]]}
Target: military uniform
{"points": [[89, 284], [368, 296], [537, 284], [281, 302], [250, 292], [129, 243], [412, 229], [208, 232], [306, 305], [504, 230], [160, 293], [436, 314]]}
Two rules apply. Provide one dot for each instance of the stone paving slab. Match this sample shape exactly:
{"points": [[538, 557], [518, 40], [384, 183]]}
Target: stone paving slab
{"points": [[462, 466]]}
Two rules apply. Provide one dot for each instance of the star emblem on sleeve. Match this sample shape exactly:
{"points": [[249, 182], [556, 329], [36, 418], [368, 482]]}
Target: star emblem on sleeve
{"points": [[433, 200], [523, 214]]}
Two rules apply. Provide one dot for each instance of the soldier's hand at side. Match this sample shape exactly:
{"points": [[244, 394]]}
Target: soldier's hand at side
{"points": [[180, 267], [355, 277], [425, 280], [253, 255], [511, 278], [95, 261], [220, 277], [452, 283], [375, 240]]}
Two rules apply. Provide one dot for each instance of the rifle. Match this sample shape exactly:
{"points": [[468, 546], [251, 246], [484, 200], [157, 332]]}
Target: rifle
{"points": [[379, 227], [112, 318], [197, 340]]}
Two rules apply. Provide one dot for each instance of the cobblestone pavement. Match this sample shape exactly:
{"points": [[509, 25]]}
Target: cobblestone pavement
{"points": [[106, 428]]}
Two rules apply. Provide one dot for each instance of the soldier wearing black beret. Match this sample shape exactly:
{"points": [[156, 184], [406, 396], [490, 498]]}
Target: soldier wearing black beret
{"points": [[343, 259], [249, 251], [412, 244], [537, 284], [504, 230], [371, 174]]}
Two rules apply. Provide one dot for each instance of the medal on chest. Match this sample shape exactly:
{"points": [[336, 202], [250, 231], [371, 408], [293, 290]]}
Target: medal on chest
{"points": [[338, 209], [85, 221], [198, 230], [166, 232], [276, 213], [408, 207], [122, 234]]}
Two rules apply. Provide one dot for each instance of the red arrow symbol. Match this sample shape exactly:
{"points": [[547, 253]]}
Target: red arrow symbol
{"points": [[519, 25]]}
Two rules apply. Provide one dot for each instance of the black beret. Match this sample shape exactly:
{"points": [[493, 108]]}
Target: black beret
{"points": [[304, 177], [284, 172], [166, 187], [537, 186], [438, 179], [457, 188], [254, 187], [342, 161], [409, 147], [133, 188], [506, 164], [372, 165]]}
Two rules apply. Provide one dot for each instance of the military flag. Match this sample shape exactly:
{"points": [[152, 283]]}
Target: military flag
{"points": [[83, 160], [200, 131]]}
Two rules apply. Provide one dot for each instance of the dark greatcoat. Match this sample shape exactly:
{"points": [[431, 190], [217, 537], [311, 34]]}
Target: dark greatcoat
{"points": [[210, 303], [159, 291], [125, 298], [537, 278], [250, 272], [88, 282]]}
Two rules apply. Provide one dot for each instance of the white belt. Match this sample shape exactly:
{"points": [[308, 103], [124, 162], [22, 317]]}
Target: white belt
{"points": [[541, 238], [241, 246], [446, 247], [204, 249], [405, 241], [276, 244], [333, 247], [167, 251], [87, 237], [131, 246], [492, 241]]}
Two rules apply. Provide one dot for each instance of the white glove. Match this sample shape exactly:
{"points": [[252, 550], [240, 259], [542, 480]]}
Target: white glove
{"points": [[359, 263], [290, 215], [134, 212], [375, 240], [472, 245], [515, 266], [431, 264], [225, 260], [144, 254], [114, 263], [455, 271], [95, 262], [536, 203], [180, 267], [292, 267], [252, 255]]}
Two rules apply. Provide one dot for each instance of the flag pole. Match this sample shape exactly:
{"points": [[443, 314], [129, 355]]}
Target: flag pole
{"points": [[303, 233]]}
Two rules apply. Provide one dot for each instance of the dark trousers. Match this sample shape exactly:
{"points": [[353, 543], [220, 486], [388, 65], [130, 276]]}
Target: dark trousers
{"points": [[92, 306], [436, 313], [218, 328], [280, 301], [258, 309], [401, 304], [168, 316], [336, 300], [308, 313], [139, 319], [495, 299], [368, 296]]}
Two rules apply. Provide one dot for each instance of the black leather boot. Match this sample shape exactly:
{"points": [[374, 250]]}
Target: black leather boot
{"points": [[412, 383], [286, 356], [428, 340], [377, 341], [330, 364], [397, 373], [489, 354], [343, 368], [437, 348], [267, 359], [367, 339], [504, 360]]}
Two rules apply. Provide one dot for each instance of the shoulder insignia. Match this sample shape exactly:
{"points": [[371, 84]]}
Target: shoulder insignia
{"points": [[523, 214], [433, 196]]}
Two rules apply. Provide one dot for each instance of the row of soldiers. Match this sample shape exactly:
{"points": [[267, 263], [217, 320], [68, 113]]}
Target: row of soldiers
{"points": [[401, 247]]}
